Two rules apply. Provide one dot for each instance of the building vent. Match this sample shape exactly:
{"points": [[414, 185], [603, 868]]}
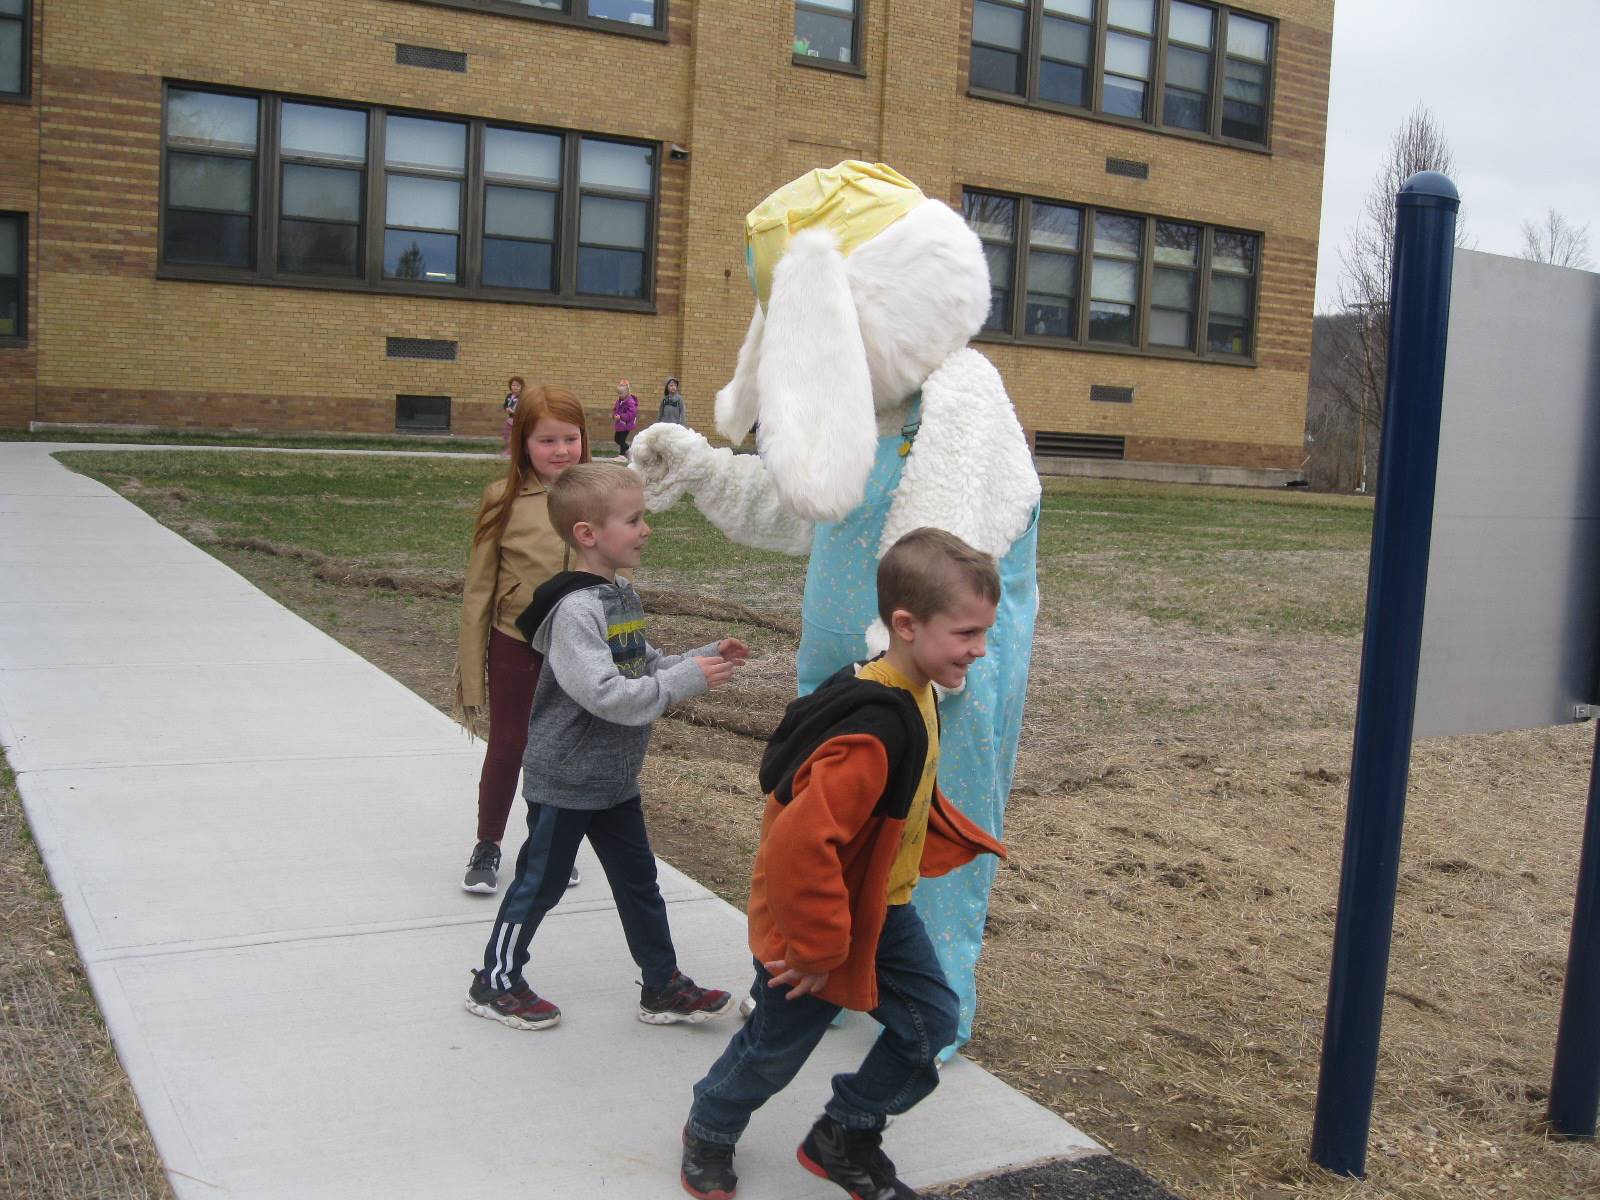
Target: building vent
{"points": [[432, 349], [422, 414], [1128, 167], [1049, 444], [431, 58], [1104, 393]]}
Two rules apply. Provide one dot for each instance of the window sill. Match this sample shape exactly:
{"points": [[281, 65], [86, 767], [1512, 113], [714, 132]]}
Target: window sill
{"points": [[13, 343], [988, 337], [648, 33], [391, 288], [1083, 114], [827, 64], [16, 97]]}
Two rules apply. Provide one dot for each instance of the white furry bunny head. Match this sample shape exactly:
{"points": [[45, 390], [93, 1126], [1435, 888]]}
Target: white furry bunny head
{"points": [[844, 336]]}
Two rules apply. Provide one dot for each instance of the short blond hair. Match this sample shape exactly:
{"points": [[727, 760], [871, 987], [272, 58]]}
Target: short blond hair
{"points": [[584, 491], [928, 570]]}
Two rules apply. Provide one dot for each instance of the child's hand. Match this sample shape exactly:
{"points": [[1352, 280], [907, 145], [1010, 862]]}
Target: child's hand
{"points": [[733, 650], [804, 984], [717, 671]]}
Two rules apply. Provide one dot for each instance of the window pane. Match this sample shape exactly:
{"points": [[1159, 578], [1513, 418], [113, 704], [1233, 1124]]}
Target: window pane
{"points": [[1230, 295], [1189, 69], [1066, 41], [1118, 236], [325, 132], [1048, 316], [610, 272], [426, 256], [1184, 110], [634, 12], [318, 248], [1123, 98], [615, 165], [211, 239], [608, 222], [11, 7], [1234, 252], [209, 119], [990, 216], [11, 308], [1168, 328], [517, 154], [995, 25], [11, 56], [844, 6], [1128, 55], [999, 310], [1225, 335], [999, 260], [1190, 23], [528, 265], [1247, 38], [823, 35], [997, 70], [1173, 289], [1115, 280], [1133, 14], [1246, 82], [518, 212], [328, 193], [424, 203], [1111, 323], [1052, 274], [1055, 225], [1071, 8], [413, 142], [1247, 122], [555, 5], [1061, 83], [10, 246], [205, 181], [1177, 245]]}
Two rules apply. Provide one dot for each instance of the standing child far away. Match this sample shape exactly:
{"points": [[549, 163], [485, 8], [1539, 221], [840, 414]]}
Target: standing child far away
{"points": [[854, 816], [672, 406], [514, 387], [602, 687], [624, 414], [514, 550]]}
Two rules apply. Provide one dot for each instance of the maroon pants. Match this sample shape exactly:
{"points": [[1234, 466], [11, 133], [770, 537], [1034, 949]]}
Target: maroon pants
{"points": [[513, 672]]}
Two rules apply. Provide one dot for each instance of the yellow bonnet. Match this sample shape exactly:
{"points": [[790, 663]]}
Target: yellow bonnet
{"points": [[856, 200]]}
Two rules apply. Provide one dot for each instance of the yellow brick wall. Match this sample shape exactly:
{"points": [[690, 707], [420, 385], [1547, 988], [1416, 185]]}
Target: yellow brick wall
{"points": [[116, 343], [19, 193]]}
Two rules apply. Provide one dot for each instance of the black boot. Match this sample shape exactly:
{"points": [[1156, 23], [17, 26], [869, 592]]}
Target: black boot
{"points": [[707, 1168], [853, 1159]]}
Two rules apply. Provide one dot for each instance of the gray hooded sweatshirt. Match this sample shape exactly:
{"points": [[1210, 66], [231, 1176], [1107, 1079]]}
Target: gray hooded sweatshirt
{"points": [[601, 688]]}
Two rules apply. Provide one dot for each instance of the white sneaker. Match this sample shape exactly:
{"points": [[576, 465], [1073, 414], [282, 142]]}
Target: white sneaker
{"points": [[574, 879]]}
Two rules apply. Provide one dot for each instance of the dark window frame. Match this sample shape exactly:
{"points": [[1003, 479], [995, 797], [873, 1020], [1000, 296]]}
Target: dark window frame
{"points": [[574, 19], [20, 338], [858, 25], [424, 430], [468, 286], [1198, 350], [25, 94], [1156, 85]]}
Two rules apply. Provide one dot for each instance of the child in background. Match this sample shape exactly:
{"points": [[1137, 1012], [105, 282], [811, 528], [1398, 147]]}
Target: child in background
{"points": [[514, 387], [672, 407], [602, 688], [624, 414], [854, 817], [514, 550]]}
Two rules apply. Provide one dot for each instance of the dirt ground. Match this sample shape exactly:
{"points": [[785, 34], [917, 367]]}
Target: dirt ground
{"points": [[1157, 956]]}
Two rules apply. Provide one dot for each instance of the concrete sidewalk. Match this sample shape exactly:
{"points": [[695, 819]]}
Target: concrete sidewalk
{"points": [[257, 837]]}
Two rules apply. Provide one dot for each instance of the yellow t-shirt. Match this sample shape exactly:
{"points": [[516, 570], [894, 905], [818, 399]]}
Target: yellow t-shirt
{"points": [[907, 868]]}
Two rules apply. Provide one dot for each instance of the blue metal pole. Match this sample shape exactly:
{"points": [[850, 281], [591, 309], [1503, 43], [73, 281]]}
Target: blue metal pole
{"points": [[1575, 1081], [1419, 313]]}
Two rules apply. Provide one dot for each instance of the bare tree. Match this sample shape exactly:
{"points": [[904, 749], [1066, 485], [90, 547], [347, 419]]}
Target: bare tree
{"points": [[1360, 355], [1557, 241]]}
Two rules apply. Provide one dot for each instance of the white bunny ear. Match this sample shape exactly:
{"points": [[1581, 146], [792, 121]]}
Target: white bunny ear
{"points": [[818, 432], [736, 404]]}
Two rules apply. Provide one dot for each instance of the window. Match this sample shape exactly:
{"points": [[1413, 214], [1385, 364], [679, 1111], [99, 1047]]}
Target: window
{"points": [[1153, 62], [13, 276], [618, 16], [16, 59], [261, 188], [1147, 280], [826, 32], [422, 414]]}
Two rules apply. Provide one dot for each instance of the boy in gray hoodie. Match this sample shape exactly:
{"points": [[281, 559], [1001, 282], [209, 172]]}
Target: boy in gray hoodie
{"points": [[601, 688]]}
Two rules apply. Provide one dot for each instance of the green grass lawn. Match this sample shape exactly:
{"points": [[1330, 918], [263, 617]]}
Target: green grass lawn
{"points": [[1218, 560]]}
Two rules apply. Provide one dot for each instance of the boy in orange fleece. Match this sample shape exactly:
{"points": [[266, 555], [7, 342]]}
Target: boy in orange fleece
{"points": [[854, 816]]}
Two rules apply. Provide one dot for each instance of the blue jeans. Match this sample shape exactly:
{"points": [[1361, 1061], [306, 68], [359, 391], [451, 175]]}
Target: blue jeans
{"points": [[916, 1008]]}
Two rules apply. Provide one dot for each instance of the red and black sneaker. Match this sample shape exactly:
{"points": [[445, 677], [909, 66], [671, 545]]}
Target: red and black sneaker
{"points": [[518, 1007], [707, 1168], [853, 1159], [680, 1000]]}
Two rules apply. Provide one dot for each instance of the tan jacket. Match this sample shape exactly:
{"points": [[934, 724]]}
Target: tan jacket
{"points": [[501, 576]]}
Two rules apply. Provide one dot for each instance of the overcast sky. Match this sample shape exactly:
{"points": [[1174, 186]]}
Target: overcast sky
{"points": [[1511, 86]]}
